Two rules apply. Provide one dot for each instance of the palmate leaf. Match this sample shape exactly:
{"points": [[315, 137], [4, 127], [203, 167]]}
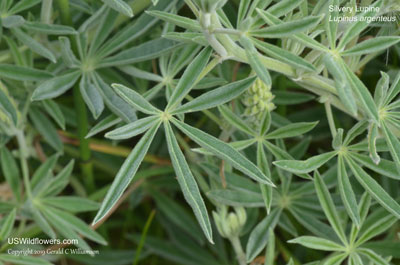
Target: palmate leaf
{"points": [[180, 21], [120, 6], [328, 206], [8, 108], [22, 73], [291, 130], [187, 182], [189, 78], [317, 243], [374, 189], [259, 236], [376, 44], [134, 99], [56, 86], [23, 260], [132, 129], [301, 167], [11, 171], [126, 172], [224, 151], [7, 225], [347, 193], [254, 60], [216, 97], [286, 29]]}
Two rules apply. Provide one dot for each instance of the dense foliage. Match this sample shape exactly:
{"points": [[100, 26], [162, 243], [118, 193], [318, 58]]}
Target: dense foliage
{"points": [[200, 132]]}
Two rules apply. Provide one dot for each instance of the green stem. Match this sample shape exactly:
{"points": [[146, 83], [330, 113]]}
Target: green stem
{"points": [[237, 247], [24, 163], [329, 115], [86, 164], [81, 112]]}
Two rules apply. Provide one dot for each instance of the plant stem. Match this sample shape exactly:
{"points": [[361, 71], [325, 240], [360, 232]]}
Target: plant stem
{"points": [[24, 162], [237, 246], [86, 164], [81, 112], [329, 115]]}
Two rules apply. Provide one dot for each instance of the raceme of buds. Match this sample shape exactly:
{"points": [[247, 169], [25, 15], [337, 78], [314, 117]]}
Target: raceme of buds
{"points": [[258, 99], [230, 224]]}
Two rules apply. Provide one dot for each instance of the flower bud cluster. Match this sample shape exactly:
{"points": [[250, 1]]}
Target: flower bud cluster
{"points": [[230, 224], [258, 99]]}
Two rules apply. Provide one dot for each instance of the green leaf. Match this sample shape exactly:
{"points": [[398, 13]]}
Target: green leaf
{"points": [[362, 22], [284, 7], [283, 55], [132, 129], [55, 112], [187, 182], [11, 172], [180, 21], [189, 78], [317, 243], [91, 96], [44, 171], [46, 128], [281, 154], [254, 60], [235, 120], [216, 97], [377, 223], [119, 6], [7, 225], [286, 29], [143, 52], [355, 131], [103, 125], [58, 183], [300, 167], [13, 21], [56, 86], [42, 222], [67, 54], [224, 151], [23, 260], [376, 44], [115, 103], [291, 130], [238, 145], [33, 44], [393, 144], [23, 5], [262, 163], [328, 206], [372, 136], [259, 236], [336, 259], [134, 99], [237, 198], [270, 253], [331, 23], [75, 224], [347, 193], [374, 189], [385, 167], [49, 29], [8, 108], [265, 123], [372, 256], [301, 37], [342, 86], [178, 215], [126, 173], [71, 203], [22, 73]]}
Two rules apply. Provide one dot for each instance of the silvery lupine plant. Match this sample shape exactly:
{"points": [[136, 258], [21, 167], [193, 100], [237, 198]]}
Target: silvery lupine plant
{"points": [[199, 132]]}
